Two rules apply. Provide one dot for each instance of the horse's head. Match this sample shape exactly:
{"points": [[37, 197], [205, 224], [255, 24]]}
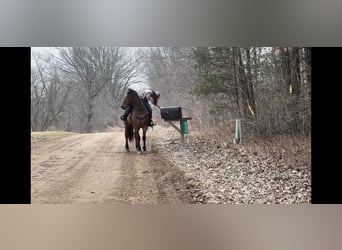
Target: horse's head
{"points": [[125, 103]]}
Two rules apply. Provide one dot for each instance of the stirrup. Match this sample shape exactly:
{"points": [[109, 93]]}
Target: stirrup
{"points": [[123, 117]]}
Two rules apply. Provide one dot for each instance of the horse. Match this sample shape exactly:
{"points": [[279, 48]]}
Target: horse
{"points": [[136, 120]]}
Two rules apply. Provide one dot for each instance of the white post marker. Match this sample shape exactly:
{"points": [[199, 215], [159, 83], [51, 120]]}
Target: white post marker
{"points": [[237, 139]]}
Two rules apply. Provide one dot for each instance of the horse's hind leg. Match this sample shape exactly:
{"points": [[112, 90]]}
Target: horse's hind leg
{"points": [[126, 145], [137, 141]]}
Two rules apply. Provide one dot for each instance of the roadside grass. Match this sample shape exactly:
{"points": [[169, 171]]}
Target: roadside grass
{"points": [[47, 135]]}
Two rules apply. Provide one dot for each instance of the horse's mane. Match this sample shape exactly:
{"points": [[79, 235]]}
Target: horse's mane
{"points": [[133, 95], [131, 92]]}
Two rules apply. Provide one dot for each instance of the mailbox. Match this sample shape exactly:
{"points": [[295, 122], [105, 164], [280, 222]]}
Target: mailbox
{"points": [[171, 113]]}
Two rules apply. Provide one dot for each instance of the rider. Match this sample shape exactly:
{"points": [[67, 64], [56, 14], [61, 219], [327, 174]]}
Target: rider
{"points": [[149, 101]]}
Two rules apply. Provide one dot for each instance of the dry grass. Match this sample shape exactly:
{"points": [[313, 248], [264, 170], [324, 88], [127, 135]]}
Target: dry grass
{"points": [[293, 151], [47, 135]]}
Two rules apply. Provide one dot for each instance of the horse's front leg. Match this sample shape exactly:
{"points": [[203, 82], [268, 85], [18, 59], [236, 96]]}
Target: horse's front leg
{"points": [[127, 131], [144, 140], [137, 140]]}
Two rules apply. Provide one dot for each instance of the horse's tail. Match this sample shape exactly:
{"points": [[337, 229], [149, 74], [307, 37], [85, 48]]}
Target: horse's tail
{"points": [[130, 133]]}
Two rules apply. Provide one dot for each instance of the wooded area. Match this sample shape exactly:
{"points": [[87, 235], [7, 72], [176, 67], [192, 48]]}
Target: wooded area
{"points": [[269, 89]]}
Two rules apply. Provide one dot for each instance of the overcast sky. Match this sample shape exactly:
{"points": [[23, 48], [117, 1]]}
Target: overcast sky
{"points": [[44, 50], [52, 50]]}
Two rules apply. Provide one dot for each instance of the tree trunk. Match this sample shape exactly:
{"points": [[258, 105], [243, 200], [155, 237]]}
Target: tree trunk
{"points": [[295, 72], [286, 68], [237, 97], [251, 99]]}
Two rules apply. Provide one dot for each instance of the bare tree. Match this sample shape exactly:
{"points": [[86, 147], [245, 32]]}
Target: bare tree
{"points": [[170, 71], [100, 77], [48, 94], [260, 83]]}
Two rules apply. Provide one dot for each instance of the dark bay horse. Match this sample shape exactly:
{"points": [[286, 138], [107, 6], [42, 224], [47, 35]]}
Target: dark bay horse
{"points": [[137, 119]]}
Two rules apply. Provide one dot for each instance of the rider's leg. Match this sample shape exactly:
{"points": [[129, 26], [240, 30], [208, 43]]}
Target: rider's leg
{"points": [[150, 123], [149, 109], [127, 112]]}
